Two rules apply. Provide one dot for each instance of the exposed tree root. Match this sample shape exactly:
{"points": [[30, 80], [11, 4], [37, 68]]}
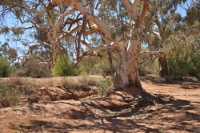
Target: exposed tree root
{"points": [[137, 96], [58, 93], [107, 103]]}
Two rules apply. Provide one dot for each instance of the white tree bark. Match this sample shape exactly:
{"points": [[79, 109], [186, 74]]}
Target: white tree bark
{"points": [[127, 75]]}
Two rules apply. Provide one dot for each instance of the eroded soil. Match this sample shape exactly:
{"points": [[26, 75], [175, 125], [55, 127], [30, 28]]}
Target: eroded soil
{"points": [[179, 114]]}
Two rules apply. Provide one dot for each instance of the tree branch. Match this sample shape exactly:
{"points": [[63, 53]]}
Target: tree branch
{"points": [[131, 8], [156, 53], [134, 7], [144, 10], [91, 50], [60, 18], [100, 25]]}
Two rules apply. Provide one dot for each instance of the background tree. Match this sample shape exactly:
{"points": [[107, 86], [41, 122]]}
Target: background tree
{"points": [[160, 21], [183, 49]]}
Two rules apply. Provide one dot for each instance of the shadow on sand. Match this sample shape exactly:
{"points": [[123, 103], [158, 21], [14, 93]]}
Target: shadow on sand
{"points": [[175, 115]]}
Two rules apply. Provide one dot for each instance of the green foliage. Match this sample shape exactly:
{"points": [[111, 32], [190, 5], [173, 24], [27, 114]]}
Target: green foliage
{"points": [[106, 67], [184, 60], [113, 35], [193, 15], [177, 67], [99, 64], [178, 62], [148, 64], [194, 65], [183, 54], [177, 17], [87, 66], [180, 66], [104, 85], [8, 52], [8, 96], [5, 68], [64, 67]]}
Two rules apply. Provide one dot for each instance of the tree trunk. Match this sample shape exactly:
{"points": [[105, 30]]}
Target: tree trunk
{"points": [[127, 77], [111, 69], [163, 65]]}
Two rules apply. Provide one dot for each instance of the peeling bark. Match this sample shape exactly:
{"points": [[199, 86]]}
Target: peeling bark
{"points": [[127, 76]]}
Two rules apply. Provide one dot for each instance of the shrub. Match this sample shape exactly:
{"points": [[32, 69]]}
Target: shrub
{"points": [[104, 85], [5, 68], [177, 67], [33, 69], [184, 61], [194, 65], [8, 96], [23, 85], [64, 67]]}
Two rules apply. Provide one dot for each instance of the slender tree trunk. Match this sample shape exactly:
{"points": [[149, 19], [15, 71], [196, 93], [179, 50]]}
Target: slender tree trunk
{"points": [[111, 69], [163, 65], [54, 55]]}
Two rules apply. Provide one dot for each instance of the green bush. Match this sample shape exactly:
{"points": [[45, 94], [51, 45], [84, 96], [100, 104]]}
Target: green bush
{"points": [[194, 66], [64, 67], [183, 62], [8, 96], [177, 67], [104, 85], [5, 68]]}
